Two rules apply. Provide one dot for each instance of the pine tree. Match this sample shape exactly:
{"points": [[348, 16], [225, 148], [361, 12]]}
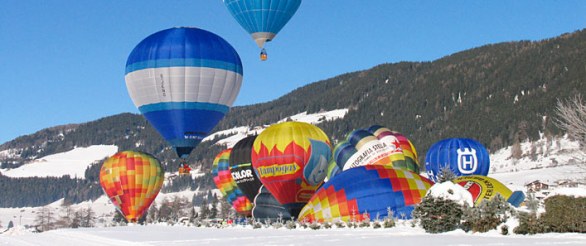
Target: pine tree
{"points": [[446, 174], [528, 224], [165, 211], [179, 207], [436, 214], [193, 215], [118, 217], [153, 213], [204, 210], [532, 202], [226, 210], [486, 216]]}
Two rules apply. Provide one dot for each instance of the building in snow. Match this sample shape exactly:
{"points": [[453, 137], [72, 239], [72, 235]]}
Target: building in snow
{"points": [[536, 186]]}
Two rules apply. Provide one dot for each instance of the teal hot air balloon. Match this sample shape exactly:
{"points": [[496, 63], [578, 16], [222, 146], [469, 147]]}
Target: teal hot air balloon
{"points": [[263, 19], [183, 80]]}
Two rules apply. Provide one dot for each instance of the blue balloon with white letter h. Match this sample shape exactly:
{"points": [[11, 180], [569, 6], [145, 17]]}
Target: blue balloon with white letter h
{"points": [[463, 156]]}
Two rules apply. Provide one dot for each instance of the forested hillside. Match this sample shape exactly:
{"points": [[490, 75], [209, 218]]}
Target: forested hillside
{"points": [[498, 94]]}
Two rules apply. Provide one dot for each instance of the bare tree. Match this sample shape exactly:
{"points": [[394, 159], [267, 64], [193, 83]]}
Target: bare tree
{"points": [[88, 217], [44, 219], [572, 118], [65, 219], [516, 150]]}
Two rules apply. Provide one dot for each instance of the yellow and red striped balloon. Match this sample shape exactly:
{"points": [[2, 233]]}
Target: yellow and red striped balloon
{"points": [[132, 180]]}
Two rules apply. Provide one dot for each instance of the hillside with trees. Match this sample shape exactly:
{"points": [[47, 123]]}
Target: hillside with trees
{"points": [[499, 94]]}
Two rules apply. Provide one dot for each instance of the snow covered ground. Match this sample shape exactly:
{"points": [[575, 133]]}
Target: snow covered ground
{"points": [[237, 133], [545, 160], [182, 235]]}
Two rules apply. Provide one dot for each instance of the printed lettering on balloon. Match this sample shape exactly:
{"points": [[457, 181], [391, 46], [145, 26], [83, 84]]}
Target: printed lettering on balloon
{"points": [[467, 161]]}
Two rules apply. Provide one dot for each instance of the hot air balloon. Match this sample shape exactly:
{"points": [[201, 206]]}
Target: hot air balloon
{"points": [[267, 207], [375, 145], [291, 159], [223, 180], [463, 156], [132, 181], [366, 192], [183, 80], [241, 168], [403, 153], [485, 188], [263, 19]]}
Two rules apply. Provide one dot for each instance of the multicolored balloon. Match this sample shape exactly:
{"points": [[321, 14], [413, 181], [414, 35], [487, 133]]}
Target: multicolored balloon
{"points": [[291, 159], [367, 191], [132, 180], [223, 180], [263, 19], [241, 168], [183, 80], [375, 145], [463, 156], [403, 153], [485, 188]]}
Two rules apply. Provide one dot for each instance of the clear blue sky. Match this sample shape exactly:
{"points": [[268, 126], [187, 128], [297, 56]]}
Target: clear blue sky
{"points": [[63, 61]]}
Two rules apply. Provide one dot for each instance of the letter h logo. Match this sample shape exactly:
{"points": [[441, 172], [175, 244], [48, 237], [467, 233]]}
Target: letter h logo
{"points": [[467, 161]]}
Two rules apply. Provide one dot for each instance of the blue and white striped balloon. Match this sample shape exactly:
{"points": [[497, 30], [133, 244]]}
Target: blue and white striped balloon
{"points": [[183, 80], [263, 19]]}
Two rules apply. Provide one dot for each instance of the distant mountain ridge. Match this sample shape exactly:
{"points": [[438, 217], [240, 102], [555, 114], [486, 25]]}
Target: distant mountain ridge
{"points": [[499, 94]]}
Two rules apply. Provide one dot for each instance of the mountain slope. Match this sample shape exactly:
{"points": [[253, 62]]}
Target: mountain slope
{"points": [[499, 94]]}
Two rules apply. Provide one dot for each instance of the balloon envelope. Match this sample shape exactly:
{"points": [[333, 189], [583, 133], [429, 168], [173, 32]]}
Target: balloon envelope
{"points": [[375, 145], [241, 168], [263, 19], [223, 180], [485, 188], [132, 181], [463, 156], [267, 207], [183, 80], [291, 159], [371, 190]]}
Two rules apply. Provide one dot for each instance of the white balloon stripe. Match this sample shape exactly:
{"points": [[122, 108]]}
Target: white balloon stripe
{"points": [[183, 84]]}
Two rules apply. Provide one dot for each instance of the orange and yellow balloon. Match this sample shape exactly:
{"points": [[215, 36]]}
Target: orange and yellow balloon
{"points": [[132, 180]]}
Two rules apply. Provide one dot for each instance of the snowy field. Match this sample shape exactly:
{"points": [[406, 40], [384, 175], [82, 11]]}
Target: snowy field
{"points": [[241, 236], [545, 160], [72, 163]]}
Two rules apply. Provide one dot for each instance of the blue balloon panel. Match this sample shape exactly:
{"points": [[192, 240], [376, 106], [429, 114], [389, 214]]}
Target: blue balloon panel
{"points": [[462, 156]]}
